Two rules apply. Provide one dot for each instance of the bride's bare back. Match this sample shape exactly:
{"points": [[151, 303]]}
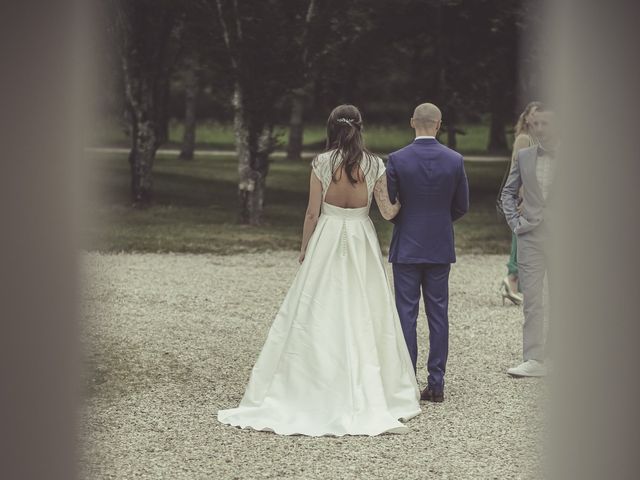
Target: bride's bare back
{"points": [[342, 193], [344, 145]]}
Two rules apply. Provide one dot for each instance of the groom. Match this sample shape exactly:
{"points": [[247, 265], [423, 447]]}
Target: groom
{"points": [[430, 182]]}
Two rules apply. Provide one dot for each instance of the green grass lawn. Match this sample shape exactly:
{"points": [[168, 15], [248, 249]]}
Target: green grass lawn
{"points": [[195, 208], [380, 139]]}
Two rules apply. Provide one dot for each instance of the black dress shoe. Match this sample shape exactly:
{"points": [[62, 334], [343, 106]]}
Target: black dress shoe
{"points": [[431, 396]]}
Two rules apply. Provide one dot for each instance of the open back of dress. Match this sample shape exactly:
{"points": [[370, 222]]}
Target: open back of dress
{"points": [[342, 193]]}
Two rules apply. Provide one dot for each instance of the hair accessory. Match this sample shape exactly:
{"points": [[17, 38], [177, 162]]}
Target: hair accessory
{"points": [[344, 120]]}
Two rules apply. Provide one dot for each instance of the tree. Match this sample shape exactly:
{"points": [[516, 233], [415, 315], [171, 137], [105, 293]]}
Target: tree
{"points": [[191, 80], [300, 94], [332, 42], [502, 71], [201, 62], [147, 33], [264, 65]]}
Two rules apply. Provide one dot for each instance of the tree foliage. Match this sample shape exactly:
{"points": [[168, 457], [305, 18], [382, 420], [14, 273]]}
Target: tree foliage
{"points": [[286, 61]]}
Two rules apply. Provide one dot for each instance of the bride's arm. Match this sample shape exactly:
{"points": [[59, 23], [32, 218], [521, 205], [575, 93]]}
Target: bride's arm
{"points": [[387, 209], [313, 212]]}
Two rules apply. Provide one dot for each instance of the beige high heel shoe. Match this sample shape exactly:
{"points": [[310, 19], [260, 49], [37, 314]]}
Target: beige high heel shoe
{"points": [[506, 292]]}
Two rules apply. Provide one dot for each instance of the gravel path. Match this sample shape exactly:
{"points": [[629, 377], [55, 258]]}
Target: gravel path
{"points": [[172, 338]]}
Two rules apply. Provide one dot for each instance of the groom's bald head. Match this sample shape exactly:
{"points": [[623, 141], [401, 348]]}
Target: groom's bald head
{"points": [[426, 119]]}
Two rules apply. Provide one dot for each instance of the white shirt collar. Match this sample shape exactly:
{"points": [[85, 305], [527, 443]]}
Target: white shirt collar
{"points": [[425, 136]]}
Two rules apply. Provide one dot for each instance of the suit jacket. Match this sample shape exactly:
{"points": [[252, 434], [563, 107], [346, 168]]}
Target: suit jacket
{"points": [[431, 184], [523, 174]]}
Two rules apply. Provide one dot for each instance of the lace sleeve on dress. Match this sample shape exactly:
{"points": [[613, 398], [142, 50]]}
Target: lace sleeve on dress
{"points": [[315, 166], [319, 168]]}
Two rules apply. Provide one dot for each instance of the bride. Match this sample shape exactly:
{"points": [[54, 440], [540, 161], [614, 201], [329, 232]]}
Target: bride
{"points": [[335, 361]]}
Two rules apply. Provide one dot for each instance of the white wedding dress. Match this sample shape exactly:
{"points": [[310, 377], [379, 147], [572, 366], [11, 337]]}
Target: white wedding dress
{"points": [[335, 361]]}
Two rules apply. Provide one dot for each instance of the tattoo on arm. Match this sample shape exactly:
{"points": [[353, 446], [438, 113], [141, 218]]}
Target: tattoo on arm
{"points": [[387, 209]]}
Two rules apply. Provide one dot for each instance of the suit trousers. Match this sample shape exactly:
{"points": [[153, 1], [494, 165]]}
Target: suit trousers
{"points": [[533, 259], [433, 279]]}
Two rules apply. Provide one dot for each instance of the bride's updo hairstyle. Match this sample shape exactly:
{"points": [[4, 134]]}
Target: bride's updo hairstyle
{"points": [[344, 136]]}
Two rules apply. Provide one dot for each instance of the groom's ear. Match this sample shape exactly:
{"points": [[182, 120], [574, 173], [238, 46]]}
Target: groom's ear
{"points": [[411, 123]]}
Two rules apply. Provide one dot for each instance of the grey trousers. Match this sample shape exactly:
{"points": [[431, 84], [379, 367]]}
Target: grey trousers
{"points": [[532, 265]]}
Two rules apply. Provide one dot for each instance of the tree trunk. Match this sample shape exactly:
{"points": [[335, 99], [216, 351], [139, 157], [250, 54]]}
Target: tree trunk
{"points": [[191, 93], [440, 93], [500, 87], [452, 141], [161, 104], [253, 150], [131, 124], [497, 136], [266, 144], [146, 75], [145, 136], [296, 126], [241, 133], [451, 113], [145, 139], [143, 152]]}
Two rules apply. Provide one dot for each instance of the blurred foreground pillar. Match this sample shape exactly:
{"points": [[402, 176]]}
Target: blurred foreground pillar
{"points": [[594, 74], [38, 377]]}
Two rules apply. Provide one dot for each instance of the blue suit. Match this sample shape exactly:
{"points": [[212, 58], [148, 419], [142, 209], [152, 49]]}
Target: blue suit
{"points": [[431, 184]]}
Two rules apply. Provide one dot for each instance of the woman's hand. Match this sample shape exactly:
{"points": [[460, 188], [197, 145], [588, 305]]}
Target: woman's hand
{"points": [[301, 257]]}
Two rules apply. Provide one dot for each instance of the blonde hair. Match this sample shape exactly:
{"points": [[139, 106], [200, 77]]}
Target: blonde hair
{"points": [[521, 125]]}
